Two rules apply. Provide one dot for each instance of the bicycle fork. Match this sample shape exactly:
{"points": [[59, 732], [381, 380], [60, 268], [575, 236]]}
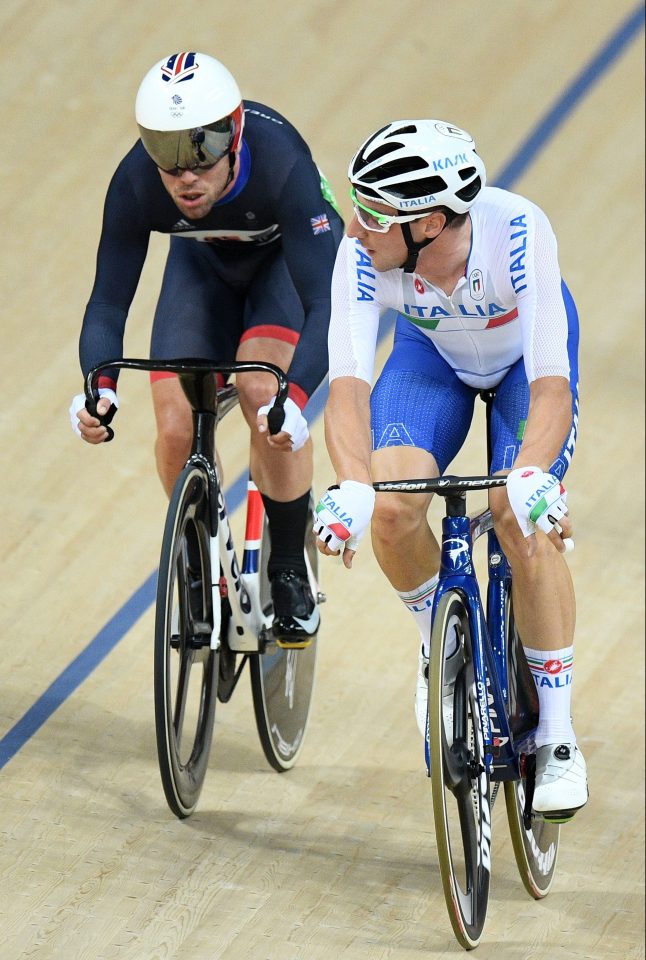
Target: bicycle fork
{"points": [[457, 573]]}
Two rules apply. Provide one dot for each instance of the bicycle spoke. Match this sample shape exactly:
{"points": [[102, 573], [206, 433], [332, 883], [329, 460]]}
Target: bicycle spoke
{"points": [[181, 693]]}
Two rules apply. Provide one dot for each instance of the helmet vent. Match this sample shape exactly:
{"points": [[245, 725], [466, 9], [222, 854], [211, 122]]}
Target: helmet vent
{"points": [[383, 151], [418, 188], [466, 173], [470, 191], [400, 130], [396, 168]]}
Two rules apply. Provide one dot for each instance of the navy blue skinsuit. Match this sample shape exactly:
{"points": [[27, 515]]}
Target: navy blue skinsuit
{"points": [[260, 263]]}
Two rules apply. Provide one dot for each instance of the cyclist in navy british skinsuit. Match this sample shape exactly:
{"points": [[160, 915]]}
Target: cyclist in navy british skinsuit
{"points": [[254, 232]]}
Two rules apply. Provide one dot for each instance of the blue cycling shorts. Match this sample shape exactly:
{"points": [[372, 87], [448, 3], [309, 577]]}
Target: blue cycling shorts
{"points": [[419, 401]]}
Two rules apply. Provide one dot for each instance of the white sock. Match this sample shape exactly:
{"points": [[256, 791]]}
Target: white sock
{"points": [[419, 603], [552, 673]]}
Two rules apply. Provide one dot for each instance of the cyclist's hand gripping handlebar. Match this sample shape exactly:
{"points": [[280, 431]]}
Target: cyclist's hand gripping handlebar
{"points": [[276, 418], [284, 416], [280, 406], [86, 428], [105, 419]]}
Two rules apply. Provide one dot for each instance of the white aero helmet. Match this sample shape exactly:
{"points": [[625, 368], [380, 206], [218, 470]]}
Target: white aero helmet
{"points": [[414, 165], [189, 112]]}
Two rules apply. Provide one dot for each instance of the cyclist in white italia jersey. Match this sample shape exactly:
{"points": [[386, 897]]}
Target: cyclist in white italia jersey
{"points": [[474, 275]]}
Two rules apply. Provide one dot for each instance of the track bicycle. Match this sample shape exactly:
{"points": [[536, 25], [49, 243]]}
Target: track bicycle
{"points": [[212, 614], [482, 716]]}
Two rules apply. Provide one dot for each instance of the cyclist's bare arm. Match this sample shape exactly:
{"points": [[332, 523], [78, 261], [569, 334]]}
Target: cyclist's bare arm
{"points": [[347, 429], [343, 513], [548, 422]]}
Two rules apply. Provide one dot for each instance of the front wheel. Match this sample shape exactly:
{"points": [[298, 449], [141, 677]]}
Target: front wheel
{"points": [[186, 668], [460, 783], [282, 681], [536, 848]]}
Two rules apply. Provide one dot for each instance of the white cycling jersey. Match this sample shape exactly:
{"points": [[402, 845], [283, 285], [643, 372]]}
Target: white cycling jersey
{"points": [[508, 304]]}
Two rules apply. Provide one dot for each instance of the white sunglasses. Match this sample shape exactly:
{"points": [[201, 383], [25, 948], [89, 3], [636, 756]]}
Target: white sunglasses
{"points": [[380, 222]]}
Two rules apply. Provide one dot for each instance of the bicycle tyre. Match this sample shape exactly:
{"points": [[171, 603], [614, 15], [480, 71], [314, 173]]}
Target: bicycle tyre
{"points": [[459, 781], [282, 681], [185, 666], [536, 849]]}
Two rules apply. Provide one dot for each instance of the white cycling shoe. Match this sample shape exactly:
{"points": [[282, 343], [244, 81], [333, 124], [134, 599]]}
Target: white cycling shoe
{"points": [[421, 693], [561, 781]]}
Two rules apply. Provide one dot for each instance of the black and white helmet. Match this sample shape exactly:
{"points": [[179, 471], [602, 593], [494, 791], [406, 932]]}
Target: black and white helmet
{"points": [[414, 165]]}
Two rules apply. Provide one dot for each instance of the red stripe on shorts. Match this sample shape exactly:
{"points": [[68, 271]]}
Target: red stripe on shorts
{"points": [[298, 395], [156, 375], [273, 331]]}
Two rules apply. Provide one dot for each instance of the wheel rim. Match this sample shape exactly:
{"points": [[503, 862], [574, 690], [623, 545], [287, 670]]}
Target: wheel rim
{"points": [[536, 849], [185, 695], [460, 785]]}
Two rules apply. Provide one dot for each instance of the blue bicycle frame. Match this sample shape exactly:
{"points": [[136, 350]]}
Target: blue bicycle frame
{"points": [[508, 722]]}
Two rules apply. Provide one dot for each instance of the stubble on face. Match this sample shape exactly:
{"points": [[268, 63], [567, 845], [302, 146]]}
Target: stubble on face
{"points": [[386, 251], [194, 192]]}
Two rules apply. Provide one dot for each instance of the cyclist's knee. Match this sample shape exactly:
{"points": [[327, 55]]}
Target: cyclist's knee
{"points": [[505, 523], [255, 390], [501, 510], [509, 533], [174, 420], [394, 519]]}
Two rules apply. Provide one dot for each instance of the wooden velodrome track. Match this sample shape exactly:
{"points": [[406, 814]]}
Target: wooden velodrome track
{"points": [[337, 858]]}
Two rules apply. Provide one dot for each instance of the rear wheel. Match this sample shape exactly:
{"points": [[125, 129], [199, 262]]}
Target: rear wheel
{"points": [[185, 668], [282, 681], [460, 783], [536, 847]]}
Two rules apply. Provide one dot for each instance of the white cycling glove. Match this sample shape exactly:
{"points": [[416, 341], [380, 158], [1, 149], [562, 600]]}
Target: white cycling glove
{"points": [[78, 404], [343, 514], [294, 424], [538, 499]]}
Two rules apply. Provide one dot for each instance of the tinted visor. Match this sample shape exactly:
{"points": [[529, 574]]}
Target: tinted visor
{"points": [[189, 149]]}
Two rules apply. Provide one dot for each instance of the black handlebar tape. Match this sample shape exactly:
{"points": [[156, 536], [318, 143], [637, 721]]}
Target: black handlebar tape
{"points": [[103, 418], [276, 419]]}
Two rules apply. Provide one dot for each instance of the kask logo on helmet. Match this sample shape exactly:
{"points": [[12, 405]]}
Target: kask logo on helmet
{"points": [[178, 67]]}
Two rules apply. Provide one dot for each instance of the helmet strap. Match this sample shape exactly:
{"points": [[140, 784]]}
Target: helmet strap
{"points": [[413, 247], [232, 163]]}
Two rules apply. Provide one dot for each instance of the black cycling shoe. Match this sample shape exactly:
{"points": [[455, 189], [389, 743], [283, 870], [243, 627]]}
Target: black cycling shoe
{"points": [[296, 615]]}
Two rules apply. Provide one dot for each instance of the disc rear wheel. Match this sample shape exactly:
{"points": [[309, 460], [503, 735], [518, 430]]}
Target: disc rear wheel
{"points": [[535, 845], [282, 681]]}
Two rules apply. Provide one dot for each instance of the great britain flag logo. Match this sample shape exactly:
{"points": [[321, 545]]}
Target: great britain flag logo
{"points": [[320, 224], [178, 67]]}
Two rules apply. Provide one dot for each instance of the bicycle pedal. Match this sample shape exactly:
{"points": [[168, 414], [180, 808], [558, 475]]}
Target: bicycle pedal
{"points": [[199, 636], [559, 817], [294, 644]]}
